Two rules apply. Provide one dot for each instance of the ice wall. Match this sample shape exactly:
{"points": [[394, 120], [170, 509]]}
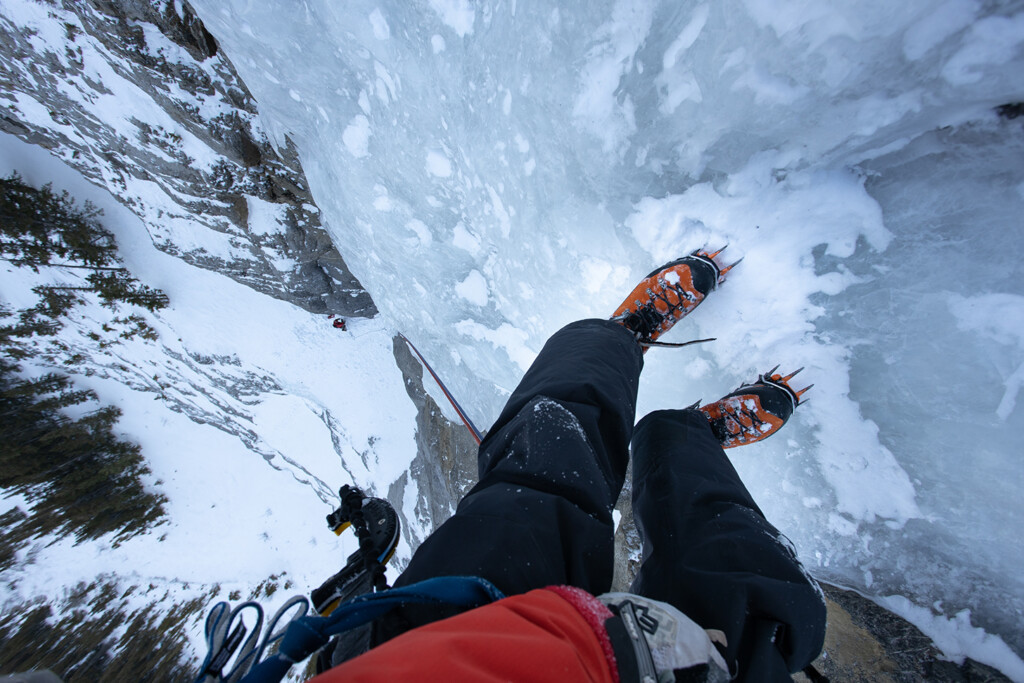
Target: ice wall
{"points": [[494, 170], [936, 331]]}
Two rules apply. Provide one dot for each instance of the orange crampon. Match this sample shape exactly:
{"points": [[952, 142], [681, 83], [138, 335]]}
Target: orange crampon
{"points": [[669, 293], [754, 411]]}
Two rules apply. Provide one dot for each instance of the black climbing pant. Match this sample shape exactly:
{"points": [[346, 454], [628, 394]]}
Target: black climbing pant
{"points": [[551, 469]]}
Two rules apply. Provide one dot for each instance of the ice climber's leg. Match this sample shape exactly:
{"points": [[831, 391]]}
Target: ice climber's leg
{"points": [[708, 550], [551, 469]]}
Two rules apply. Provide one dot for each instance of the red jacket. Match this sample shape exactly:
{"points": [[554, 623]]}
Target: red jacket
{"points": [[552, 634]]}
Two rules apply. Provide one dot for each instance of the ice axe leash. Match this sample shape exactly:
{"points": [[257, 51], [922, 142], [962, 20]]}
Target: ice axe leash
{"points": [[477, 436]]}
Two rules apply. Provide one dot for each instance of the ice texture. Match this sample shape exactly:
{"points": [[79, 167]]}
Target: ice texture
{"points": [[492, 171]]}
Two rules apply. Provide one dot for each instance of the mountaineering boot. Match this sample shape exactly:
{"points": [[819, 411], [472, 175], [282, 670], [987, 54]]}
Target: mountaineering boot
{"points": [[668, 294], [754, 411], [355, 578]]}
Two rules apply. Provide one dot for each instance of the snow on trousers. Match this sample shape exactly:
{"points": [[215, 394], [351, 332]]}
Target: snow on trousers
{"points": [[551, 469]]}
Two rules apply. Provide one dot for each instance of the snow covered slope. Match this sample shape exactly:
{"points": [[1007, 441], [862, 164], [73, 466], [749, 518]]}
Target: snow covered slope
{"points": [[250, 411]]}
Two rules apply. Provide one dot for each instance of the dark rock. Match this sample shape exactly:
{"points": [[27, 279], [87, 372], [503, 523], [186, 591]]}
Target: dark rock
{"points": [[1010, 111], [445, 463], [867, 643], [627, 539]]}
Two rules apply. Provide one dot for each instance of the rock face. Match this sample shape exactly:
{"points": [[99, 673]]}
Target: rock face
{"points": [[136, 95], [445, 465], [865, 643]]}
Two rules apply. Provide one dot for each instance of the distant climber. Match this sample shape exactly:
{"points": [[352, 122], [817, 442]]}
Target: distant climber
{"points": [[338, 322], [720, 594]]}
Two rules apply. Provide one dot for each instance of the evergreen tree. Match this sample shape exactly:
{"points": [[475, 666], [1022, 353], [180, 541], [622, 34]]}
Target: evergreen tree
{"points": [[54, 303], [118, 286], [78, 477], [95, 637], [39, 228]]}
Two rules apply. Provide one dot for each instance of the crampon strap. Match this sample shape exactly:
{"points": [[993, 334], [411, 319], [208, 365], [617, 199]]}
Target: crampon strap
{"points": [[304, 635], [674, 345]]}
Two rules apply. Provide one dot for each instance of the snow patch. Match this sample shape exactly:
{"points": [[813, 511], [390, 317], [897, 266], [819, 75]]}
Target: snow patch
{"points": [[381, 30], [465, 240], [265, 218], [506, 338], [438, 165], [597, 108], [474, 288], [458, 15], [597, 275], [421, 230], [686, 38], [957, 637], [357, 137], [382, 201]]}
